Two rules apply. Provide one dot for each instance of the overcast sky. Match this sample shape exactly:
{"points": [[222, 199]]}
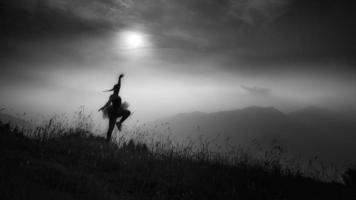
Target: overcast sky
{"points": [[178, 56]]}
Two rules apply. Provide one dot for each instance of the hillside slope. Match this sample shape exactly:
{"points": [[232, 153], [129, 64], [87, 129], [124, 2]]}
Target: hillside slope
{"points": [[81, 166]]}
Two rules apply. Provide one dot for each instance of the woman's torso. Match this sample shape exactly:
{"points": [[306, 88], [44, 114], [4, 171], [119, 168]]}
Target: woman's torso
{"points": [[116, 101]]}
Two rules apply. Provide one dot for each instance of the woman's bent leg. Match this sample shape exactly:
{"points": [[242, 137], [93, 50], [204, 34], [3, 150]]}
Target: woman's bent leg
{"points": [[124, 115]]}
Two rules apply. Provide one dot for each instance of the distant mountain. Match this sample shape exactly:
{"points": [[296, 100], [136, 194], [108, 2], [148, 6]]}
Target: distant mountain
{"points": [[326, 132], [324, 119], [242, 125], [312, 130]]}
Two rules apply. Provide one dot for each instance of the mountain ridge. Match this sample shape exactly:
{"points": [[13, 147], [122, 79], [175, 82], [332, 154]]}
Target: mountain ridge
{"points": [[311, 130]]}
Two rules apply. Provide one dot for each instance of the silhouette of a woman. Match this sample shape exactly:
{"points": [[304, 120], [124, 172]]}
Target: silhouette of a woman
{"points": [[114, 109]]}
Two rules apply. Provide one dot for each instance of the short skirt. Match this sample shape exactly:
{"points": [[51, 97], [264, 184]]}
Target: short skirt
{"points": [[113, 111]]}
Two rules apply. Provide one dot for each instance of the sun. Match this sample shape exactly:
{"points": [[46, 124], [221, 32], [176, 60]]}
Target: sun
{"points": [[133, 40]]}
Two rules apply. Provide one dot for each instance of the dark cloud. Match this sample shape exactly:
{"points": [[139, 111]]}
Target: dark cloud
{"points": [[257, 11], [246, 33], [42, 18], [75, 15], [311, 31]]}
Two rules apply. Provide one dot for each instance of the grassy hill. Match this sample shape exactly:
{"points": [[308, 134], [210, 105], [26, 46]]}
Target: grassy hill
{"points": [[78, 165]]}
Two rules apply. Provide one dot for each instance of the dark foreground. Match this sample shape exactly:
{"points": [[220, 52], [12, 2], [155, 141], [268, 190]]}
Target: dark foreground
{"points": [[81, 166]]}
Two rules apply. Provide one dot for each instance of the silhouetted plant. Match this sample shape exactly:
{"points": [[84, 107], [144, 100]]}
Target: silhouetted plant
{"points": [[349, 177]]}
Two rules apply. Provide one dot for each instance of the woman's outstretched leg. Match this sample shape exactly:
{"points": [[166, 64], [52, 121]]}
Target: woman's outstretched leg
{"points": [[111, 128]]}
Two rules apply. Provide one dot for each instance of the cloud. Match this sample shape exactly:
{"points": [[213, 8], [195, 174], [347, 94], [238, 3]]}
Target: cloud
{"points": [[244, 33], [71, 15], [258, 11], [197, 25], [257, 91]]}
